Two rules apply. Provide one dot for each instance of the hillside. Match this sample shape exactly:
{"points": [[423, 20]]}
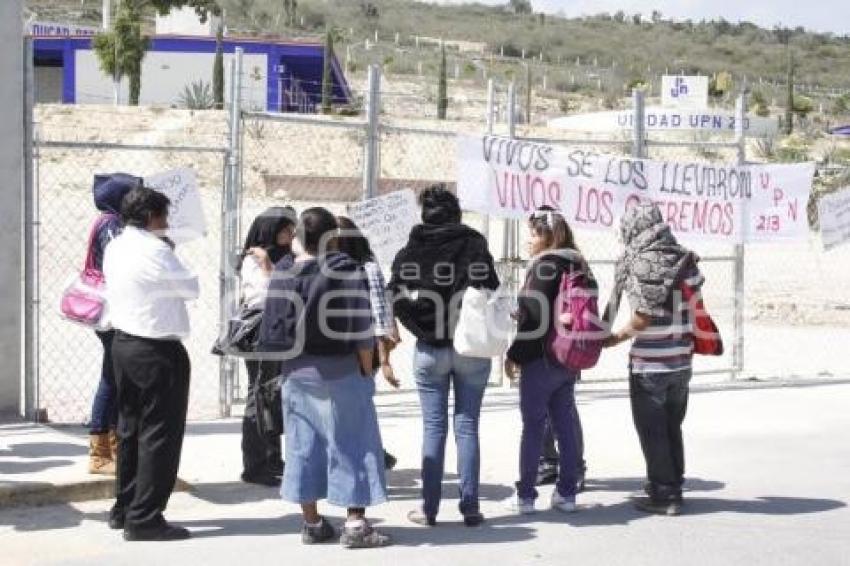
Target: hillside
{"points": [[632, 43]]}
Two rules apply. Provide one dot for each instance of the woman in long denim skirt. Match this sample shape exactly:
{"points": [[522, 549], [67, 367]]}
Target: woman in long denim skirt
{"points": [[317, 323]]}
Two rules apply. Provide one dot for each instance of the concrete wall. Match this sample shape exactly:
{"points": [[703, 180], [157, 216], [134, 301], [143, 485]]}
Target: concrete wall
{"points": [[11, 167], [166, 74]]}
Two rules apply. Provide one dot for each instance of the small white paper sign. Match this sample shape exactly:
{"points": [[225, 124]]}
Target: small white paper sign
{"points": [[186, 215], [834, 214], [386, 222]]}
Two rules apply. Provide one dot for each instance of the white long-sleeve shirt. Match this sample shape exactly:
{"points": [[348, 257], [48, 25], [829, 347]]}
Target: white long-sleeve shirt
{"points": [[254, 282], [147, 286]]}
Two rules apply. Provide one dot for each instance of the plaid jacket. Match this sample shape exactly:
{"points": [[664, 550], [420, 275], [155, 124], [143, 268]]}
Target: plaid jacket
{"points": [[382, 313]]}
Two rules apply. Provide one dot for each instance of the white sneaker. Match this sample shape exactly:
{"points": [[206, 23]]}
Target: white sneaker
{"points": [[563, 504], [520, 506]]}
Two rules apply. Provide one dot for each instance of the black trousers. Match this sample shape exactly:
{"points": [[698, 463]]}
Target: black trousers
{"points": [[550, 451], [261, 453], [659, 403], [152, 377]]}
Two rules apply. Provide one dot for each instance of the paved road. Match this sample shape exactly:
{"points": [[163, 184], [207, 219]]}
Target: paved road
{"points": [[768, 484]]}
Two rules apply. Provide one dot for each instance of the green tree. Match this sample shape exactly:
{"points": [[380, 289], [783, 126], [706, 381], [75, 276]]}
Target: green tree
{"points": [[789, 101], [520, 7], [121, 50], [760, 104], [290, 11], [327, 74], [803, 106], [721, 84], [218, 69], [841, 105], [528, 94], [442, 89]]}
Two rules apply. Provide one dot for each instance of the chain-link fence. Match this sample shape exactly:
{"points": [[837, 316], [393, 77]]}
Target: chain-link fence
{"points": [[789, 301], [69, 356]]}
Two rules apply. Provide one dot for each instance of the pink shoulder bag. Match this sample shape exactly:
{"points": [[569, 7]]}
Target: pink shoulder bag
{"points": [[83, 299]]}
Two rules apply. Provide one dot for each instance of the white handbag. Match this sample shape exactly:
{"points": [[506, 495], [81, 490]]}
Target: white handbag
{"points": [[485, 327]]}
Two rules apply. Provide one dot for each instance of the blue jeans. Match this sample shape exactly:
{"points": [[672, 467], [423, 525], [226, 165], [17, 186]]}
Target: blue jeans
{"points": [[547, 389], [437, 370], [104, 411]]}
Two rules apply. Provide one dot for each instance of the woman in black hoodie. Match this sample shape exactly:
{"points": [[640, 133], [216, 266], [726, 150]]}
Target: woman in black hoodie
{"points": [[429, 275]]}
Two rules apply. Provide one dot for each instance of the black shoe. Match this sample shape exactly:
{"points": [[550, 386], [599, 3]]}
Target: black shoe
{"points": [[317, 535], [277, 470], [162, 532], [547, 473], [116, 519], [267, 479], [473, 519], [670, 507], [389, 460]]}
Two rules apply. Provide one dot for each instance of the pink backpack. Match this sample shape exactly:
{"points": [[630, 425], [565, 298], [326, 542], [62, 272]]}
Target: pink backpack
{"points": [[578, 345], [82, 300]]}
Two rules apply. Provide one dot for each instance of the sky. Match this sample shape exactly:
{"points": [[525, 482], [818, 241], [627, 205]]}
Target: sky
{"points": [[818, 15]]}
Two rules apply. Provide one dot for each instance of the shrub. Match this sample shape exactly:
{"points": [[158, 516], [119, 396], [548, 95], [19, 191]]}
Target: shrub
{"points": [[197, 96]]}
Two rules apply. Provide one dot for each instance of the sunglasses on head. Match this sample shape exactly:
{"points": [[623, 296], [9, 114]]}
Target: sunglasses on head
{"points": [[548, 216]]}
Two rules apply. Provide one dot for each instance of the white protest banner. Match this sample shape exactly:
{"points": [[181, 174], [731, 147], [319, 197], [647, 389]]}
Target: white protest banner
{"points": [[186, 215], [834, 215], [681, 91], [509, 178], [666, 119], [386, 222]]}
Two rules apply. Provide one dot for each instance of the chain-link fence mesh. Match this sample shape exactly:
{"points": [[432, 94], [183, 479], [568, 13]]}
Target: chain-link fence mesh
{"points": [[69, 356], [796, 303]]}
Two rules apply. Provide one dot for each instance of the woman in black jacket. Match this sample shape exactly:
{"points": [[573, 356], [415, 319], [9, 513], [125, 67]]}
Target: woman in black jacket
{"points": [[546, 387], [429, 275]]}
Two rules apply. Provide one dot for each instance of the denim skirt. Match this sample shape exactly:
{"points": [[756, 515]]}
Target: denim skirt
{"points": [[333, 444]]}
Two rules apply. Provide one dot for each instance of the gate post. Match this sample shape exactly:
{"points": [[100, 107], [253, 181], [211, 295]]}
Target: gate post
{"points": [[31, 226], [639, 126], [740, 251], [229, 228], [371, 158]]}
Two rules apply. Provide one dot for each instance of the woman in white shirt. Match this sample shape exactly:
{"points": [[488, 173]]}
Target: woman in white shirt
{"points": [[147, 291], [268, 241]]}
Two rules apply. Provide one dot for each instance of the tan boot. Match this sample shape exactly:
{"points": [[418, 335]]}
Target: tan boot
{"points": [[113, 446], [100, 457]]}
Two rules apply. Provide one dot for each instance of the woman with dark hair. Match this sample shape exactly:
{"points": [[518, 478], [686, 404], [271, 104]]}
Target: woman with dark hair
{"points": [[318, 323], [352, 242], [109, 191], [546, 387], [649, 272], [147, 289], [441, 260], [268, 241]]}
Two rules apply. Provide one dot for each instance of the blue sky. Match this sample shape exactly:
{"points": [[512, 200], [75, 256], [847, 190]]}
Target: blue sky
{"points": [[819, 15]]}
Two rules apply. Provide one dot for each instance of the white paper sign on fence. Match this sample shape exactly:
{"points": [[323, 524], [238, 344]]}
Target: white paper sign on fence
{"points": [[834, 215], [508, 178], [386, 222], [186, 215]]}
